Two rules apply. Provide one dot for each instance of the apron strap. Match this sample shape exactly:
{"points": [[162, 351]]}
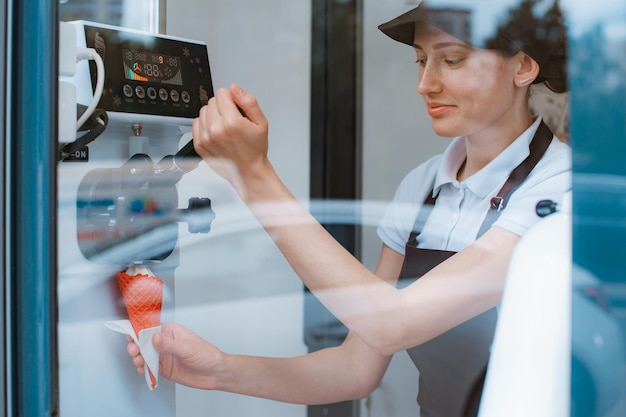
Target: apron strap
{"points": [[538, 146]]}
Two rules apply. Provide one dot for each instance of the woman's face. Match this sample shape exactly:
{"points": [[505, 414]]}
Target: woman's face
{"points": [[466, 89]]}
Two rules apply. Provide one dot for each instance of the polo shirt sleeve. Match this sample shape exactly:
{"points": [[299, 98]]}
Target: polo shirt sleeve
{"points": [[397, 222]]}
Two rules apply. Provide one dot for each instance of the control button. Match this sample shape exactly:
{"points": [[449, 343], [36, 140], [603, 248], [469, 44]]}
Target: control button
{"points": [[174, 96], [152, 93], [204, 95], [141, 93], [185, 96], [128, 90], [163, 94]]}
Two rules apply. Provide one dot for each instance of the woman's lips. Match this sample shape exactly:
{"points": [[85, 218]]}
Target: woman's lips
{"points": [[437, 109]]}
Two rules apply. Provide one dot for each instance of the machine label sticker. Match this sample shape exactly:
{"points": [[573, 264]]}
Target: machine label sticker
{"points": [[80, 155]]}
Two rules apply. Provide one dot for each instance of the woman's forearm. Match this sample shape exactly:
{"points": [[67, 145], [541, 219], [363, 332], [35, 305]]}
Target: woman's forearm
{"points": [[322, 377]]}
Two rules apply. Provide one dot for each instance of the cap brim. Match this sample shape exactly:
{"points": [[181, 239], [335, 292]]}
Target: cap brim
{"points": [[448, 19], [402, 28]]}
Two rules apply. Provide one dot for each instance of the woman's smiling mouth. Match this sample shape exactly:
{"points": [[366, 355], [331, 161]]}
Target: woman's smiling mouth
{"points": [[438, 109]]}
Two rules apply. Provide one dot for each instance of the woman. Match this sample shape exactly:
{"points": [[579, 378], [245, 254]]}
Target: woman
{"points": [[484, 189]]}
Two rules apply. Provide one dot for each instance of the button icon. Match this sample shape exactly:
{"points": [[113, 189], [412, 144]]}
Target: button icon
{"points": [[128, 90], [141, 93]]}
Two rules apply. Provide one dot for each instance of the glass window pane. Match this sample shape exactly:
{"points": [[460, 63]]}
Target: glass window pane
{"points": [[132, 205], [598, 321]]}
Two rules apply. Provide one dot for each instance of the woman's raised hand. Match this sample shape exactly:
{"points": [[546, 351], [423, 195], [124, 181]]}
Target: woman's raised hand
{"points": [[231, 135]]}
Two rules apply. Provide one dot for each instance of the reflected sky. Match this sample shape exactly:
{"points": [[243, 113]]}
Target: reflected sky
{"points": [[583, 15]]}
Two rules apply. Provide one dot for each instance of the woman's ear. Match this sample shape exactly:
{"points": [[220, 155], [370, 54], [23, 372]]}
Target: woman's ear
{"points": [[527, 71]]}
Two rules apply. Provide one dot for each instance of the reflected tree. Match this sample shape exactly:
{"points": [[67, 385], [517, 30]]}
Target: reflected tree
{"points": [[541, 35]]}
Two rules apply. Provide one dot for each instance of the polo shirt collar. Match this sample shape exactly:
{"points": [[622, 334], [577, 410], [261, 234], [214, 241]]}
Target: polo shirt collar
{"points": [[493, 174]]}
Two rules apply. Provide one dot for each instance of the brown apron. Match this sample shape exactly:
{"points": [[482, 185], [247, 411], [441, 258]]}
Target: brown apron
{"points": [[452, 366]]}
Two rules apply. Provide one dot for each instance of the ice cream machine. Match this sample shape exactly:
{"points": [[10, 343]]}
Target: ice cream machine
{"points": [[126, 102]]}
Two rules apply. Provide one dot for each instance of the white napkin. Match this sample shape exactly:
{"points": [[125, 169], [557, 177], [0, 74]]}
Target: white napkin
{"points": [[149, 353]]}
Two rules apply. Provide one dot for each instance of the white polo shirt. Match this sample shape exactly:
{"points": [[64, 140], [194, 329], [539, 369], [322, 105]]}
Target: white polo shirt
{"points": [[462, 206]]}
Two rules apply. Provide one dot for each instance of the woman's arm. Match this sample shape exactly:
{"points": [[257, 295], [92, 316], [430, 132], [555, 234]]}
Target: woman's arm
{"points": [[326, 376], [350, 371], [385, 318]]}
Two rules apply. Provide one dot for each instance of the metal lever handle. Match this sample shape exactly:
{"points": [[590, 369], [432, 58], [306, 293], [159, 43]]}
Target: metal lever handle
{"points": [[186, 158], [187, 151], [174, 166]]}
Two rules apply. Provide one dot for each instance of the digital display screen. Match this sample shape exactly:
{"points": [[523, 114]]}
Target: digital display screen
{"points": [[148, 66], [149, 74]]}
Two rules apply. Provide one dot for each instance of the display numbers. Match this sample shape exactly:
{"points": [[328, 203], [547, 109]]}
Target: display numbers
{"points": [[148, 66], [151, 70]]}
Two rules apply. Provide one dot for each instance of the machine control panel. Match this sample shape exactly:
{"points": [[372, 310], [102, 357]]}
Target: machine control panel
{"points": [[149, 74]]}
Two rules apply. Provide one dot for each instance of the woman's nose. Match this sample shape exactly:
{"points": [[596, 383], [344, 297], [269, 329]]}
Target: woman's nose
{"points": [[429, 80]]}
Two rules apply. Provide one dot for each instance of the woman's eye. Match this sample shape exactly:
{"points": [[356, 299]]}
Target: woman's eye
{"points": [[453, 62], [421, 62]]}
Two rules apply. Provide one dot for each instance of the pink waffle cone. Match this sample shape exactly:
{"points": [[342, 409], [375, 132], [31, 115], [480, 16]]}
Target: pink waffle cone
{"points": [[143, 297]]}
